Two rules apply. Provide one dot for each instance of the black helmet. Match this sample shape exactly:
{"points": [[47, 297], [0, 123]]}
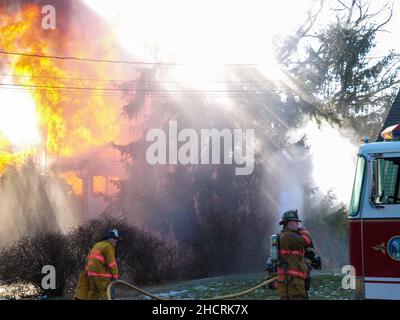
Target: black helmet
{"points": [[290, 215], [113, 234]]}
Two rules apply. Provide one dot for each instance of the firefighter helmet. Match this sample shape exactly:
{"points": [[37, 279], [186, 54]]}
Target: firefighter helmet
{"points": [[113, 234], [290, 215]]}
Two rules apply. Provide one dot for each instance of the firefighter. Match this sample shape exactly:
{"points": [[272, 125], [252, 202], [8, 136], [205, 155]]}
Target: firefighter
{"points": [[293, 272], [101, 267]]}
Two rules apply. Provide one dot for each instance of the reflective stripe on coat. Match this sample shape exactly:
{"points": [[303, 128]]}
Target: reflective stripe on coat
{"points": [[101, 261]]}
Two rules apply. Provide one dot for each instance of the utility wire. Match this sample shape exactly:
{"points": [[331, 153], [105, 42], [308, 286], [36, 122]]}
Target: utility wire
{"points": [[60, 78], [35, 55], [137, 81], [141, 94], [167, 91]]}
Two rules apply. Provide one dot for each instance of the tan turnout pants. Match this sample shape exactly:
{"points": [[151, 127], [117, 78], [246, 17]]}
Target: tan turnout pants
{"points": [[98, 288], [293, 288]]}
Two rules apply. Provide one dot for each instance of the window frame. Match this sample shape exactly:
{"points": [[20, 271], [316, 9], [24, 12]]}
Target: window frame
{"points": [[361, 189], [396, 185]]}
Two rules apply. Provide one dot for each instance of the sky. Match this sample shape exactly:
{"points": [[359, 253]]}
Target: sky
{"points": [[212, 31], [216, 31]]}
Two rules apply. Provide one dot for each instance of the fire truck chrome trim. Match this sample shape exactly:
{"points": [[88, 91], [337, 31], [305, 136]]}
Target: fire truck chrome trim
{"points": [[384, 280]]}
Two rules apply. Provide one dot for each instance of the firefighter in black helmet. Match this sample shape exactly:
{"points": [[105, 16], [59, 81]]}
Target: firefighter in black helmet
{"points": [[295, 248], [100, 269]]}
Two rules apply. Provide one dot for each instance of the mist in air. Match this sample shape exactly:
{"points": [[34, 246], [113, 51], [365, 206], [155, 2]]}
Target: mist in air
{"points": [[92, 131]]}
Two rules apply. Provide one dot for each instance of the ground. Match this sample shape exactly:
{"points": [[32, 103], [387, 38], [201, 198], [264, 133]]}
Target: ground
{"points": [[325, 286]]}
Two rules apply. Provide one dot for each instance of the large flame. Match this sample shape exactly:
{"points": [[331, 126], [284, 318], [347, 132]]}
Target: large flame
{"points": [[74, 181], [41, 112]]}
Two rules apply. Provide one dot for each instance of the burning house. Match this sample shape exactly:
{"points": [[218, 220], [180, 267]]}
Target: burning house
{"points": [[93, 177], [70, 110]]}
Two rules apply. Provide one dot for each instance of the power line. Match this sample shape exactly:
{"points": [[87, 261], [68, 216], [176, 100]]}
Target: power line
{"points": [[59, 78], [43, 56], [35, 55], [153, 93], [59, 87], [167, 91], [156, 95], [137, 81], [60, 92]]}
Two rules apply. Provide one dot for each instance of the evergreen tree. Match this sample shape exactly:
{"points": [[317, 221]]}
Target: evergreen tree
{"points": [[340, 67]]}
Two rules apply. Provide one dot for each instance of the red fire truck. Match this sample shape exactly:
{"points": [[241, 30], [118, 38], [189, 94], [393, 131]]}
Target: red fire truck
{"points": [[374, 218]]}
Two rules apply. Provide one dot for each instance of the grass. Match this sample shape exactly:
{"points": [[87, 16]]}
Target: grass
{"points": [[323, 287]]}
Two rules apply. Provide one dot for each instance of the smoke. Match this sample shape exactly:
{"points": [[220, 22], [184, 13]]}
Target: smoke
{"points": [[315, 175], [289, 170], [333, 153], [320, 159]]}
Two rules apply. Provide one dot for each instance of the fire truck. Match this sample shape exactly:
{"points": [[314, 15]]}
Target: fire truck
{"points": [[374, 218]]}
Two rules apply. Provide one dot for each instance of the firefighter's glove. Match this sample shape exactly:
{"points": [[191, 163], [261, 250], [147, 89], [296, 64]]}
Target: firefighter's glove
{"points": [[309, 254], [316, 263], [271, 266]]}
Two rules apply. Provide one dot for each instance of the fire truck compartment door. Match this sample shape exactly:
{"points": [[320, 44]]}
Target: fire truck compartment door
{"points": [[381, 232]]}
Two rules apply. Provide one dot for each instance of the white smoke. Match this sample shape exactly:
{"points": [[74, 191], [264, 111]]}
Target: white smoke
{"points": [[288, 176], [333, 153], [326, 164]]}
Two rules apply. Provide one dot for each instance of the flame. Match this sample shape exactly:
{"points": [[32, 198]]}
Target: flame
{"points": [[18, 108], [99, 185], [68, 122], [74, 181]]}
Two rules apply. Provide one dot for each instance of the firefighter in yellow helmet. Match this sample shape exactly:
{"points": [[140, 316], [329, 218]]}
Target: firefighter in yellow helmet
{"points": [[101, 267], [295, 247]]}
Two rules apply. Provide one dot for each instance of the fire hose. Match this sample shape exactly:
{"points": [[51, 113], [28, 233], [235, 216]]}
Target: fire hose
{"points": [[146, 293]]}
